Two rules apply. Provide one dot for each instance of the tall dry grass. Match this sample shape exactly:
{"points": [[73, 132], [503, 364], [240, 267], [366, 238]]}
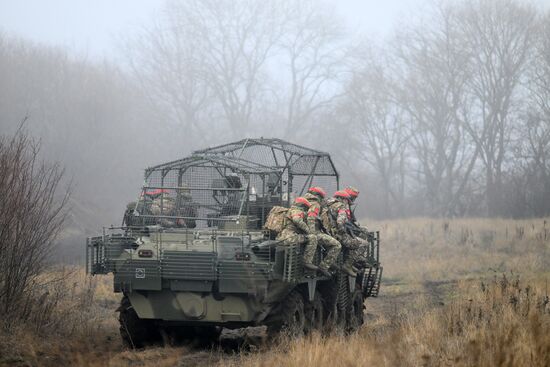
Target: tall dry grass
{"points": [[421, 249], [444, 301], [72, 314], [502, 322]]}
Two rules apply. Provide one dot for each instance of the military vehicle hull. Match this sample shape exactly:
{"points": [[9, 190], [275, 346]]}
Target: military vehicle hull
{"points": [[192, 257]]}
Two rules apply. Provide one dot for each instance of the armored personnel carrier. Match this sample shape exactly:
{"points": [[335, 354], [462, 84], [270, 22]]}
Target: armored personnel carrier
{"points": [[192, 256]]}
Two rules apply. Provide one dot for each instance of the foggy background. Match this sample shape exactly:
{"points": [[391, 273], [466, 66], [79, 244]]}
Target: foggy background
{"points": [[429, 108]]}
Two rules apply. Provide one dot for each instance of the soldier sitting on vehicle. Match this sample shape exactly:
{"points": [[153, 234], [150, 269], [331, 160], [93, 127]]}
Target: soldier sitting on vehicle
{"points": [[354, 227], [296, 231], [129, 215], [316, 196], [186, 209], [336, 218], [353, 193]]}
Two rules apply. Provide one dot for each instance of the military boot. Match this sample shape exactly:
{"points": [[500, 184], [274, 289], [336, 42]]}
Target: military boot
{"points": [[348, 269], [325, 271], [310, 266]]}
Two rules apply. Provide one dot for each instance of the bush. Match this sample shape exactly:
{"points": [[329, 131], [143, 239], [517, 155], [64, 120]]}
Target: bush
{"points": [[32, 212]]}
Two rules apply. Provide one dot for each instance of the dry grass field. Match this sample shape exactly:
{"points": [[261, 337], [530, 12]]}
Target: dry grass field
{"points": [[463, 292]]}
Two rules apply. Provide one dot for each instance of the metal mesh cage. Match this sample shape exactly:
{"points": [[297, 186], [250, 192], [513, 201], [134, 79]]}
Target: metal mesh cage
{"points": [[232, 186], [291, 160]]}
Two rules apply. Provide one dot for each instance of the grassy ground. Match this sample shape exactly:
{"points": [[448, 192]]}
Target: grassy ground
{"points": [[464, 292]]}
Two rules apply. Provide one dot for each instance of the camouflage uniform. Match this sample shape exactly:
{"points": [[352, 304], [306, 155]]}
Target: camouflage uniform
{"points": [[364, 246], [355, 245], [128, 219], [315, 227], [296, 230]]}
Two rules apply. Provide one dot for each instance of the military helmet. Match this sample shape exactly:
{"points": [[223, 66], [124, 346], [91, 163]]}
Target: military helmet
{"points": [[352, 191], [342, 194], [302, 201], [316, 190]]}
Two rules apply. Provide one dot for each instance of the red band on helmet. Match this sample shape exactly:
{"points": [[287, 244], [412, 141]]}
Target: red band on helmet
{"points": [[317, 190], [342, 194], [303, 201], [353, 193], [157, 191], [313, 213]]}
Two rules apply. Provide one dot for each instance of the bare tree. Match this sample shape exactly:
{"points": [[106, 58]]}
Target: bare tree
{"points": [[167, 62], [236, 39], [432, 68], [234, 66], [31, 216], [313, 54], [377, 130], [534, 142], [498, 35]]}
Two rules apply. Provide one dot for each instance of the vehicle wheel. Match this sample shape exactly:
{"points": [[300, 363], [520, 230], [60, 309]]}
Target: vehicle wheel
{"points": [[290, 317], [314, 314], [202, 336], [294, 314], [334, 316], [207, 335], [355, 313], [136, 332]]}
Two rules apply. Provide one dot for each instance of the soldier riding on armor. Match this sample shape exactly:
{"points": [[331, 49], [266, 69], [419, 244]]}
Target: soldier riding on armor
{"points": [[316, 196], [337, 218], [296, 230]]}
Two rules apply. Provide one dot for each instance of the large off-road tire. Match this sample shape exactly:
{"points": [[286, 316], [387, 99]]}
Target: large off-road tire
{"points": [[199, 336], [334, 316], [314, 312], [290, 318], [136, 332], [355, 312]]}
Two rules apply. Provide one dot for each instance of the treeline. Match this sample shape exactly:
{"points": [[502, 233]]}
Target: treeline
{"points": [[453, 114], [449, 116], [89, 117]]}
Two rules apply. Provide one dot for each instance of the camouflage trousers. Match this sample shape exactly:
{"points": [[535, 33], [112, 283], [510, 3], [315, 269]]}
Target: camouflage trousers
{"points": [[358, 249], [332, 246], [290, 237]]}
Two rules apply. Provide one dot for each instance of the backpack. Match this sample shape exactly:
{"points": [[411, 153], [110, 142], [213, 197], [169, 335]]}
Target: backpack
{"points": [[275, 219]]}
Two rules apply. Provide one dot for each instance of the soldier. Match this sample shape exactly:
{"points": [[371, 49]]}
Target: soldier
{"points": [[128, 219], [338, 215], [295, 229], [361, 253], [316, 196], [353, 193]]}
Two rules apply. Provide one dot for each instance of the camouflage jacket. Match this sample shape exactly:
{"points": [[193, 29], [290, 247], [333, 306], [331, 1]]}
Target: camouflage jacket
{"points": [[295, 220], [314, 213], [340, 211]]}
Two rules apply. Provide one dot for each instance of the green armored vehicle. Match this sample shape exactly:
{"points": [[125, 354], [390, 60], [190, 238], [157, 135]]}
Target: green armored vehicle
{"points": [[192, 256]]}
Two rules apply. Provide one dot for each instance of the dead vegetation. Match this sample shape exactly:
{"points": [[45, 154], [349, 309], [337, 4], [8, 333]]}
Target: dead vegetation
{"points": [[465, 292], [32, 212], [73, 315], [502, 322]]}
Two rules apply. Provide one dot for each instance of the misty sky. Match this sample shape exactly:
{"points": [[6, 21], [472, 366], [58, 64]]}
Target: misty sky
{"points": [[92, 26]]}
